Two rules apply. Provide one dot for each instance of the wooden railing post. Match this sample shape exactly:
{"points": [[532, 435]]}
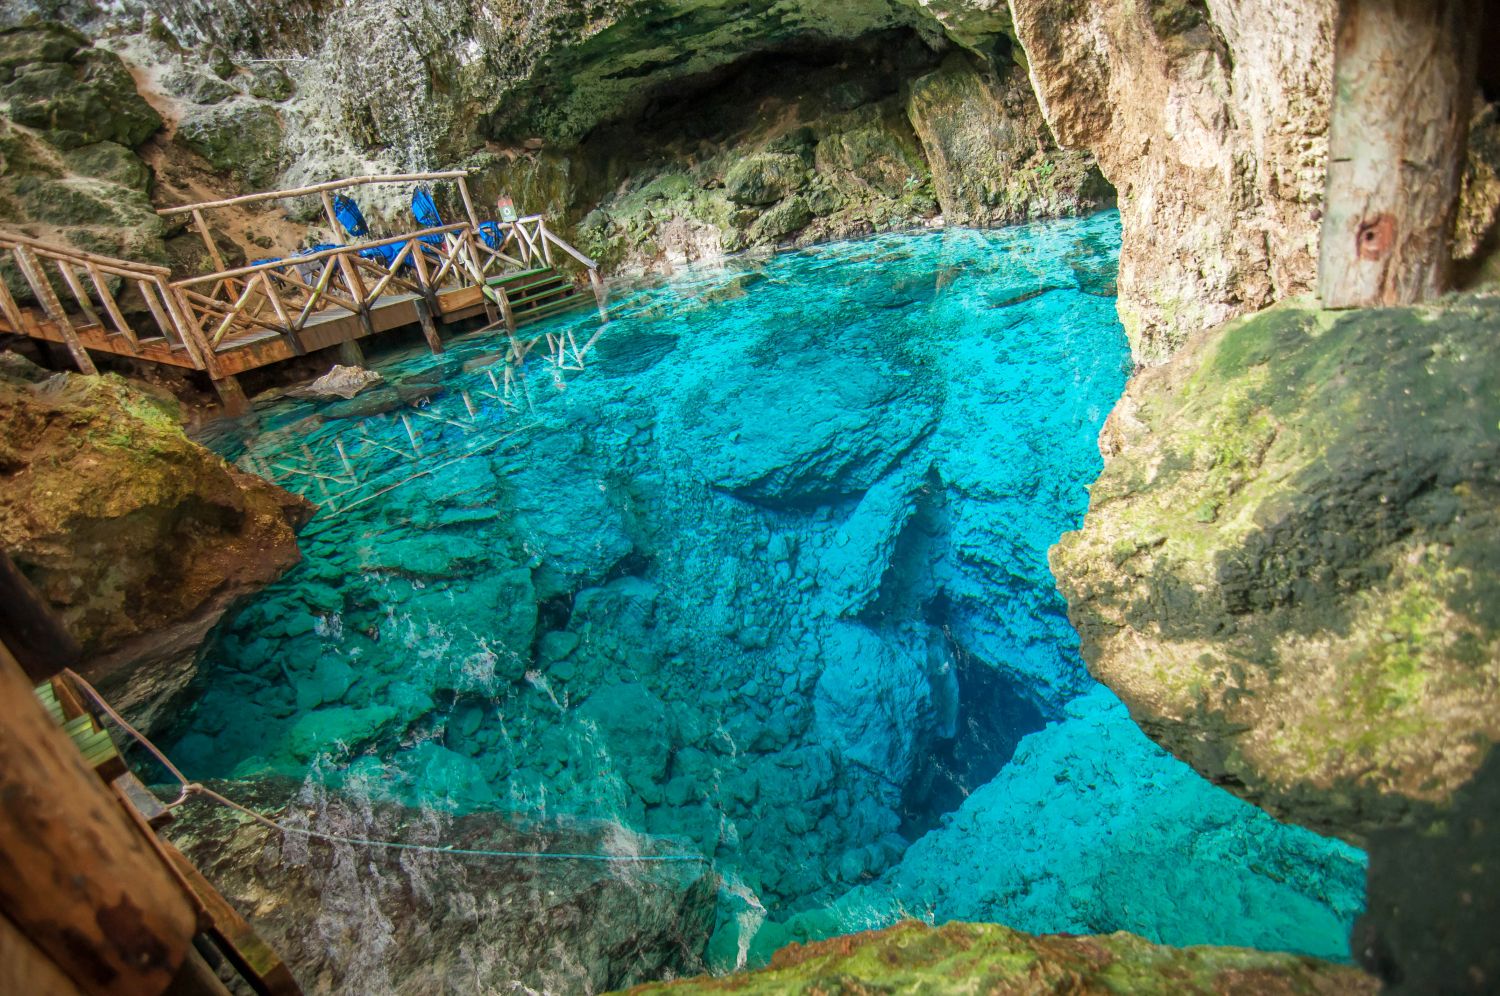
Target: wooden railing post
{"points": [[31, 269]]}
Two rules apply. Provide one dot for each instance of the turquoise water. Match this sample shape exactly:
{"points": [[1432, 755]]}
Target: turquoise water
{"points": [[758, 566]]}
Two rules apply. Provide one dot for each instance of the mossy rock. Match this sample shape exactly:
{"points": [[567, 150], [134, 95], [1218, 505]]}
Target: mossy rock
{"points": [[912, 957], [112, 163], [90, 99], [83, 201], [270, 82], [198, 88], [765, 179], [1287, 570], [239, 138], [791, 215], [24, 46]]}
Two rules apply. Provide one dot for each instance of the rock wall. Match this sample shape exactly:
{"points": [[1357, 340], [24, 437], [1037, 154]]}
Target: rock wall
{"points": [[1210, 120], [139, 538], [353, 919]]}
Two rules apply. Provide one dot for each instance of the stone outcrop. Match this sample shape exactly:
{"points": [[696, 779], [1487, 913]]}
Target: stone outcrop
{"points": [[1286, 570], [70, 120], [1211, 123], [993, 160], [139, 538], [355, 919], [989, 958]]}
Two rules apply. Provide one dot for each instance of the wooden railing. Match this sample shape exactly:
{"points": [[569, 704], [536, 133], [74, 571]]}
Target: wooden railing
{"points": [[198, 319], [100, 289]]}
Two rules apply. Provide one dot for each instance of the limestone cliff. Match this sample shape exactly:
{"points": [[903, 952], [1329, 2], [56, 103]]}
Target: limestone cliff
{"points": [[1211, 121], [139, 538]]}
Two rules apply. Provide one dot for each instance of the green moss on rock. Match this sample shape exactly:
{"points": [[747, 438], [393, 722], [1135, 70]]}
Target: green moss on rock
{"points": [[242, 139], [1315, 620], [988, 958]]}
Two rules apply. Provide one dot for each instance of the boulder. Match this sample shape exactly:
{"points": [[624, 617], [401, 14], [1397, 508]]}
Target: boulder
{"points": [[1287, 566], [240, 138], [137, 537], [89, 97], [765, 179], [341, 382]]}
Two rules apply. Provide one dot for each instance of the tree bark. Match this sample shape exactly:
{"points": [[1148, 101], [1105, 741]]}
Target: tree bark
{"points": [[1404, 74]]}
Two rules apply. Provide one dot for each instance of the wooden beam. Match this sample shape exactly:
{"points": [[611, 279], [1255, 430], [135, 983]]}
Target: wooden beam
{"points": [[76, 877], [127, 267], [208, 241], [232, 396], [316, 188], [429, 329], [41, 643], [1404, 74], [31, 269], [26, 969]]}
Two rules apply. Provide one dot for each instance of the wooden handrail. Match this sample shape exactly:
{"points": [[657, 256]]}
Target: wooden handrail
{"points": [[313, 257], [316, 188], [125, 267]]}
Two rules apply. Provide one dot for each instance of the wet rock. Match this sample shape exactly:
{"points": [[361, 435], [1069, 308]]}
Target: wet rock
{"points": [[765, 179], [112, 163], [355, 919], [137, 537], [910, 956], [341, 382], [789, 216], [239, 138]]}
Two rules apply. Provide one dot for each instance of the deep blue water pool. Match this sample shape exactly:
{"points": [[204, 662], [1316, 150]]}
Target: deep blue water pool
{"points": [[758, 566]]}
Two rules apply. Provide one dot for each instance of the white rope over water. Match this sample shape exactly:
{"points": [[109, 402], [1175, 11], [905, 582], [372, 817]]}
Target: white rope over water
{"points": [[191, 788]]}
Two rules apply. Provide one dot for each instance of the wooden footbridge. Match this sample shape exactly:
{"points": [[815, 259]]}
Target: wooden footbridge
{"points": [[241, 318]]}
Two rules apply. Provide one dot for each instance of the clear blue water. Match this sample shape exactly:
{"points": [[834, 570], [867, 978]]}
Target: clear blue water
{"points": [[759, 567]]}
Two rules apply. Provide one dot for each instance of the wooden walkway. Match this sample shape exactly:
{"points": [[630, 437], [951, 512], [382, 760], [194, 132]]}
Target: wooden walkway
{"points": [[242, 318]]}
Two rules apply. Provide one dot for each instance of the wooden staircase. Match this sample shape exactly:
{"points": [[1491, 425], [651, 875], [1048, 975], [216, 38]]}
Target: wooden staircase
{"points": [[537, 294]]}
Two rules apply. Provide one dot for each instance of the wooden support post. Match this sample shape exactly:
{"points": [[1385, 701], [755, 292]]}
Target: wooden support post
{"points": [[208, 241], [502, 297], [1404, 74], [429, 328], [28, 626], [31, 269], [463, 190], [80, 881], [350, 355], [232, 396]]}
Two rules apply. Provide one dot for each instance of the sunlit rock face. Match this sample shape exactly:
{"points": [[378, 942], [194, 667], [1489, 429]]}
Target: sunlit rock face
{"points": [[1212, 124]]}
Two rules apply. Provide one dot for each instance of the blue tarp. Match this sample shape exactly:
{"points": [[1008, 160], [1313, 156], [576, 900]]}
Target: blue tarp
{"points": [[349, 216], [424, 210]]}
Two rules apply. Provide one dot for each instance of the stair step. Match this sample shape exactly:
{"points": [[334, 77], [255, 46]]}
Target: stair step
{"points": [[564, 288], [547, 310], [506, 278]]}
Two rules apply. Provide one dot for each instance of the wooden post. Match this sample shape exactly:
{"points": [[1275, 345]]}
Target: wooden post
{"points": [[208, 241], [1404, 74], [76, 877], [429, 330], [31, 269], [463, 190], [232, 396], [502, 297], [350, 355], [28, 626]]}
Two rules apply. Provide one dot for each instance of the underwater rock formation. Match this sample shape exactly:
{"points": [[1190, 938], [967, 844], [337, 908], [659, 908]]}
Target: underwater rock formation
{"points": [[355, 919], [138, 537], [1287, 568], [989, 958]]}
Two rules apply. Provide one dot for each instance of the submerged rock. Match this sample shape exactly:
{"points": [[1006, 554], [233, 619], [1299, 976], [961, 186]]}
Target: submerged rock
{"points": [[989, 958], [355, 919], [341, 382], [139, 538]]}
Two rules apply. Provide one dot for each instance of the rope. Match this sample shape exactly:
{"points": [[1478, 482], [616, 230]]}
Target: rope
{"points": [[190, 788]]}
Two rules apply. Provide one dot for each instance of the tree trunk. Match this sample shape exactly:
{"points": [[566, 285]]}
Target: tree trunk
{"points": [[1404, 75]]}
